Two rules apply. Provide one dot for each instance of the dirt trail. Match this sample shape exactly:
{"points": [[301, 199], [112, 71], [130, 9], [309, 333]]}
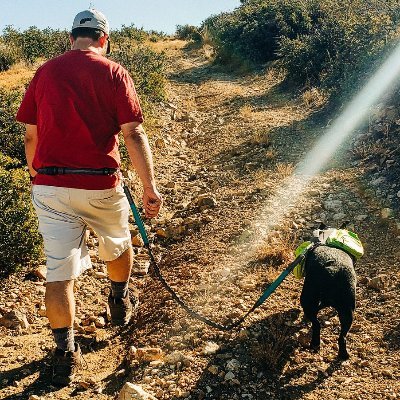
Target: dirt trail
{"points": [[231, 141]]}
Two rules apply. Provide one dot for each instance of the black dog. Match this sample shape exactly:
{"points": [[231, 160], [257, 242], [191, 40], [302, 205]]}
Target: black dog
{"points": [[330, 280]]}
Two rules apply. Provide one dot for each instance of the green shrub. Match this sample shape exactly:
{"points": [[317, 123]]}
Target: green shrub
{"points": [[20, 241], [188, 32], [343, 46], [253, 30], [128, 34], [147, 69], [37, 43], [8, 57], [11, 132], [329, 43], [9, 163]]}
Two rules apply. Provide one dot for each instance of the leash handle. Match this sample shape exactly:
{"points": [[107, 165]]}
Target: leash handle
{"points": [[136, 216]]}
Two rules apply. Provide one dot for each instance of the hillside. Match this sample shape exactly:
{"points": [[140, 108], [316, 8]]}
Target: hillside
{"points": [[223, 144]]}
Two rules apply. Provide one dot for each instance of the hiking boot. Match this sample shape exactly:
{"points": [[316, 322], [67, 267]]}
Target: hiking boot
{"points": [[65, 363], [121, 310]]}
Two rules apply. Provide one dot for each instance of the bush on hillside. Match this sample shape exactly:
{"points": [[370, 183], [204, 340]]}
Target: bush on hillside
{"points": [[11, 132], [147, 69], [342, 48], [20, 242], [128, 34], [37, 43], [329, 43], [188, 32], [8, 57], [252, 31]]}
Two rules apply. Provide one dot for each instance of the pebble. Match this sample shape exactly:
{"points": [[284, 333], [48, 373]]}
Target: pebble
{"points": [[387, 373], [339, 216], [229, 376], [137, 241], [206, 201], [147, 354], [40, 272], [177, 357], [100, 275], [90, 328], [210, 348], [161, 233], [233, 365], [100, 322], [131, 391], [386, 213], [42, 311], [361, 217], [14, 320], [213, 369], [378, 282]]}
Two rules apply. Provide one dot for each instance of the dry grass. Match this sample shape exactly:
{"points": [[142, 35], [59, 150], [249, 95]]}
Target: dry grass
{"points": [[246, 112], [167, 45], [262, 138], [277, 248], [313, 98], [270, 154], [209, 51], [271, 349], [16, 77], [284, 170]]}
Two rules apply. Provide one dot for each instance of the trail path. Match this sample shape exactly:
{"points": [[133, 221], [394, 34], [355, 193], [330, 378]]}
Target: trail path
{"points": [[228, 145]]}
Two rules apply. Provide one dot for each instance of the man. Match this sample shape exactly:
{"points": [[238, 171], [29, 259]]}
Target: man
{"points": [[74, 108]]}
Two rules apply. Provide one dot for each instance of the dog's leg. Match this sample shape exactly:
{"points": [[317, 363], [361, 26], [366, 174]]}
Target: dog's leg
{"points": [[346, 319], [310, 303]]}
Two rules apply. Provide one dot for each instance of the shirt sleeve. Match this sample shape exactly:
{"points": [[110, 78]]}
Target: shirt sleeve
{"points": [[127, 101], [27, 112]]}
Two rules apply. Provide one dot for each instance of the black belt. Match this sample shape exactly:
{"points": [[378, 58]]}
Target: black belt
{"points": [[76, 171]]}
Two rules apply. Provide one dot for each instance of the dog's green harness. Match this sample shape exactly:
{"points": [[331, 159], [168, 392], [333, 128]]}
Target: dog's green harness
{"points": [[339, 238]]}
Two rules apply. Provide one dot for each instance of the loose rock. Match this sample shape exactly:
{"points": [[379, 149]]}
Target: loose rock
{"points": [[14, 320], [40, 272], [206, 201], [210, 348], [131, 391], [147, 354], [378, 283], [137, 241]]}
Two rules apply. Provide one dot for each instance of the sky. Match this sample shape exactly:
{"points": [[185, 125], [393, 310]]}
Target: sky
{"points": [[159, 15]]}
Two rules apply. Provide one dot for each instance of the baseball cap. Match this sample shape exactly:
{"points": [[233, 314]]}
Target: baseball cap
{"points": [[91, 18]]}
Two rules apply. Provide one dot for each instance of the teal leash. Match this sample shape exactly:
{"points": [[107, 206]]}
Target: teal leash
{"points": [[267, 292]]}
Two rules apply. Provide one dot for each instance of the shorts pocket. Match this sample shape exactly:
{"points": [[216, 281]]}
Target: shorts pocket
{"points": [[101, 195], [43, 191]]}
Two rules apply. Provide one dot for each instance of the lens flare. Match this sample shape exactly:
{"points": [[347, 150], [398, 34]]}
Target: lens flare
{"points": [[352, 117]]}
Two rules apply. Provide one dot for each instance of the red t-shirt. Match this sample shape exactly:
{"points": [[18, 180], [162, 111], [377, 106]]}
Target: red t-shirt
{"points": [[78, 101]]}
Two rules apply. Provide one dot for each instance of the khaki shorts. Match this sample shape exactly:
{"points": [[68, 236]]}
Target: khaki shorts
{"points": [[64, 215]]}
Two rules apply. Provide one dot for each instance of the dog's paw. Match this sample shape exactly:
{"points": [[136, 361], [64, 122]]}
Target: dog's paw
{"points": [[315, 347], [343, 355]]}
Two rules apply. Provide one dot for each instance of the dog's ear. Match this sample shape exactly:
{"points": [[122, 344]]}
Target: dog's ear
{"points": [[344, 224], [321, 224]]}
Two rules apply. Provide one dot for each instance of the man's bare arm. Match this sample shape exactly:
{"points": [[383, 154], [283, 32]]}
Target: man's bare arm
{"points": [[140, 154], [30, 146]]}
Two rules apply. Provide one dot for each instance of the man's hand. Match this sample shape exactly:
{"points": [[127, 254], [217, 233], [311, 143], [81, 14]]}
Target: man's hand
{"points": [[152, 202]]}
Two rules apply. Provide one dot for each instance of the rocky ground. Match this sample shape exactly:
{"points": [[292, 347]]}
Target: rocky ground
{"points": [[223, 147]]}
